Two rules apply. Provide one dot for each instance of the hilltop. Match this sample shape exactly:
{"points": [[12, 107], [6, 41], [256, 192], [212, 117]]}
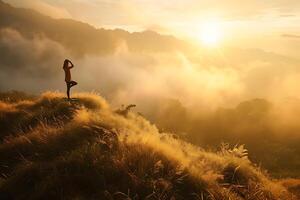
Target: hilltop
{"points": [[55, 149]]}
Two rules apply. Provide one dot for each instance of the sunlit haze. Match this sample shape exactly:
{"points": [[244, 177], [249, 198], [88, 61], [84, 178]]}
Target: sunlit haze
{"points": [[251, 24], [150, 99], [210, 33]]}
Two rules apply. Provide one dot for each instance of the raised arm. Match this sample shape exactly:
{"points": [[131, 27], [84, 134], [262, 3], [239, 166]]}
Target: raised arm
{"points": [[71, 64]]}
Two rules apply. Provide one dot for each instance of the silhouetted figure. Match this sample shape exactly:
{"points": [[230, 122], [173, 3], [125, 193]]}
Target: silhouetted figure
{"points": [[68, 65]]}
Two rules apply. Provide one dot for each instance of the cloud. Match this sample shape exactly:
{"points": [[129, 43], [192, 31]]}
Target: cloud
{"points": [[290, 36], [145, 12], [287, 15], [42, 7], [28, 64], [197, 77]]}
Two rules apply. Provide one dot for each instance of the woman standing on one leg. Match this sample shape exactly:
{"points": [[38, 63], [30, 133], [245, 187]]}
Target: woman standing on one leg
{"points": [[67, 68]]}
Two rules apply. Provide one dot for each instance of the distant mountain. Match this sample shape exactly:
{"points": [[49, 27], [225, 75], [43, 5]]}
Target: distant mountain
{"points": [[82, 38]]}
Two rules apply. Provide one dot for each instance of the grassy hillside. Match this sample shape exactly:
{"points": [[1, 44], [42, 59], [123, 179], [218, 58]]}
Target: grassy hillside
{"points": [[55, 149]]}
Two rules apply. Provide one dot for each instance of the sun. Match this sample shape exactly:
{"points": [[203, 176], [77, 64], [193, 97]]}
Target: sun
{"points": [[210, 33]]}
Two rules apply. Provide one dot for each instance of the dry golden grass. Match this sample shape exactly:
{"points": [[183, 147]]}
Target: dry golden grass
{"points": [[55, 149]]}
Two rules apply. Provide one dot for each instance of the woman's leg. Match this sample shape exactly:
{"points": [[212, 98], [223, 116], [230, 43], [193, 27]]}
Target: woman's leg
{"points": [[70, 84], [68, 89], [73, 83]]}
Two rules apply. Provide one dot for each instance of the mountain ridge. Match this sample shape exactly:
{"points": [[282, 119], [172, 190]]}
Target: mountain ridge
{"points": [[71, 33]]}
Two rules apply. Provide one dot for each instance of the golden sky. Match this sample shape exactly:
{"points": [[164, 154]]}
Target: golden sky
{"points": [[272, 25]]}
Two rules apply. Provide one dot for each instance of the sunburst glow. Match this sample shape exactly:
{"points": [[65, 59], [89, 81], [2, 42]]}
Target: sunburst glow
{"points": [[210, 33]]}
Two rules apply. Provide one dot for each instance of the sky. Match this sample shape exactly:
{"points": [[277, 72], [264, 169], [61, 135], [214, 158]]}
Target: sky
{"points": [[271, 25]]}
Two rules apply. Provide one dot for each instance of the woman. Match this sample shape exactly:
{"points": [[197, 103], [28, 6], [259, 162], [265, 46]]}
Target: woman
{"points": [[67, 68]]}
